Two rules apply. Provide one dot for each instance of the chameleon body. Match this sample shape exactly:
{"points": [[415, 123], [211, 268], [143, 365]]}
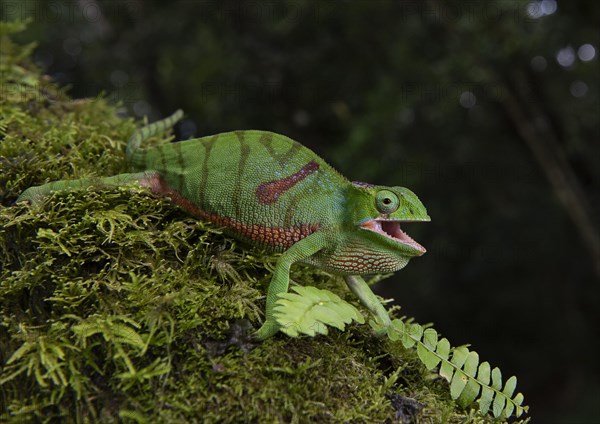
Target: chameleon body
{"points": [[269, 190]]}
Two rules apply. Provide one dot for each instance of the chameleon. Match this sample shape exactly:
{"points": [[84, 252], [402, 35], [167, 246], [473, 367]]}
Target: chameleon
{"points": [[268, 190]]}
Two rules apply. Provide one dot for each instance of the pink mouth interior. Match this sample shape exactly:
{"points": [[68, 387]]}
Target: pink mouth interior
{"points": [[392, 230]]}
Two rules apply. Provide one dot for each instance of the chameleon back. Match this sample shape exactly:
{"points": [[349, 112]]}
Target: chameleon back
{"points": [[256, 183]]}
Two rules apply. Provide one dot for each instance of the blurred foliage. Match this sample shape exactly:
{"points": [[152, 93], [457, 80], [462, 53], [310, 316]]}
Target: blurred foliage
{"points": [[422, 94]]}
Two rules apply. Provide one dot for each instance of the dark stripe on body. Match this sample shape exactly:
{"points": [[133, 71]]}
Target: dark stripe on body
{"points": [[204, 176], [244, 153], [143, 159], [181, 161], [289, 155], [266, 140], [282, 158], [291, 209], [163, 160]]}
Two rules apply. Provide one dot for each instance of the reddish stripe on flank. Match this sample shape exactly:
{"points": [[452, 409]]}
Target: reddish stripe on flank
{"points": [[270, 191], [274, 237]]}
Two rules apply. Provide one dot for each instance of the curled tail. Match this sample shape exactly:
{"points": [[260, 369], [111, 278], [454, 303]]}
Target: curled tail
{"points": [[148, 131]]}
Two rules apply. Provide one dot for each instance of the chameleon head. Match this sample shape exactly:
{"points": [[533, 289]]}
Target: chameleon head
{"points": [[380, 212]]}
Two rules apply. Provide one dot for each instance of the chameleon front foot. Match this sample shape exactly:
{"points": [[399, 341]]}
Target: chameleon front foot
{"points": [[381, 328], [268, 329]]}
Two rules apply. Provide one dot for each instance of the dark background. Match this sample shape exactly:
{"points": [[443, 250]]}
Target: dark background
{"points": [[489, 111]]}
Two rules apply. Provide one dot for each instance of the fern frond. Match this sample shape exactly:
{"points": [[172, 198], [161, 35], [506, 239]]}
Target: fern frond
{"points": [[469, 379], [310, 310]]}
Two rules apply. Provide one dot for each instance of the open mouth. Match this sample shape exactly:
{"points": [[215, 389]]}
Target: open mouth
{"points": [[391, 229]]}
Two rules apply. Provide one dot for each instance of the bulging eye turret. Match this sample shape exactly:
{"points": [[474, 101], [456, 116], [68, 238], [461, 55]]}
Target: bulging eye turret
{"points": [[387, 201]]}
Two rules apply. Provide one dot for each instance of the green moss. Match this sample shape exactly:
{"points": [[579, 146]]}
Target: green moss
{"points": [[117, 306]]}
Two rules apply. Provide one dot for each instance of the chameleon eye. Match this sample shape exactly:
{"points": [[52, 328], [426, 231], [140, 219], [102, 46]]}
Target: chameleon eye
{"points": [[386, 201]]}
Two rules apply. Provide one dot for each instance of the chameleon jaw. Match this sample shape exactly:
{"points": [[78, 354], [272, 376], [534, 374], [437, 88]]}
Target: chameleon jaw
{"points": [[390, 228]]}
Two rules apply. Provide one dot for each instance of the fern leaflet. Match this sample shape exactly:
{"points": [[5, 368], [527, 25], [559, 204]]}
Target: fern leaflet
{"points": [[310, 310]]}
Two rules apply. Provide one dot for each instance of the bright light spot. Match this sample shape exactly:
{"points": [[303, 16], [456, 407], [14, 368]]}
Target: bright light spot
{"points": [[578, 88], [537, 9], [539, 63], [586, 52], [534, 10], [548, 7], [467, 99], [565, 57]]}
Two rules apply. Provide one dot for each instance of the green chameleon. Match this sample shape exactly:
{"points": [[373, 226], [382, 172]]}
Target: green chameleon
{"points": [[271, 191]]}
